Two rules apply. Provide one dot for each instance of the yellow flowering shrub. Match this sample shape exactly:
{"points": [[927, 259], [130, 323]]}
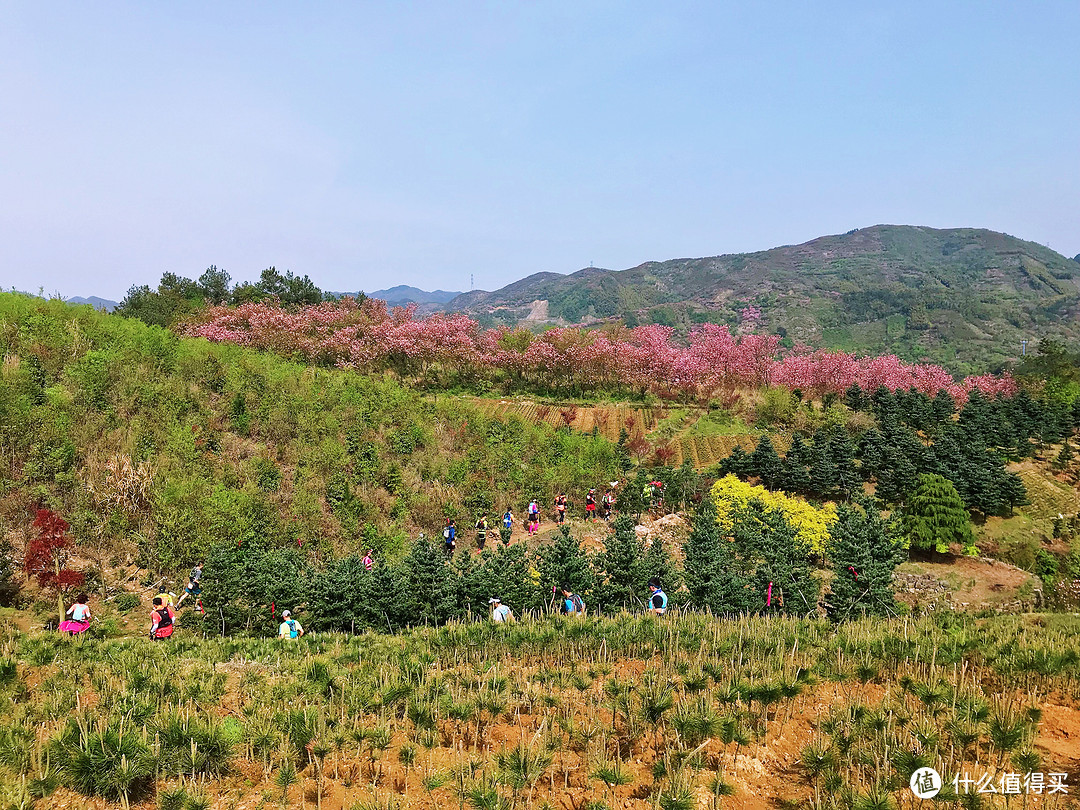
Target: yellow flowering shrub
{"points": [[810, 523]]}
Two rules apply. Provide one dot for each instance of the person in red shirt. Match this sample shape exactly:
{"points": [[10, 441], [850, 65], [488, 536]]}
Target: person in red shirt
{"points": [[161, 620]]}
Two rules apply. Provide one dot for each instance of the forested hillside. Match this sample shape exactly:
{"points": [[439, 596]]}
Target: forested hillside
{"points": [[964, 297]]}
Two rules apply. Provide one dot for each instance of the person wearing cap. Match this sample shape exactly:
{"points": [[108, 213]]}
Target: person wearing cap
{"points": [[590, 505], [500, 612], [657, 598], [290, 627]]}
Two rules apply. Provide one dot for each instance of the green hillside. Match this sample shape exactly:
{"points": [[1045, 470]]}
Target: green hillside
{"points": [[134, 434], [965, 297]]}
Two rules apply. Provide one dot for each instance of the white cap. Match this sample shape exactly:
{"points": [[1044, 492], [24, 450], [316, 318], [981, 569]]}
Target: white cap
{"points": [[285, 613]]}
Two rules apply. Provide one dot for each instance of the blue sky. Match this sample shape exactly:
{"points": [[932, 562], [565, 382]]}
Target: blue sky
{"points": [[377, 143]]}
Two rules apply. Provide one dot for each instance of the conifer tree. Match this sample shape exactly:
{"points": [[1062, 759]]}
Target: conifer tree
{"points": [[562, 562], [842, 458], [795, 473], [1064, 457], [934, 517], [429, 584], [618, 566], [854, 398], [737, 463], [865, 550], [659, 563], [765, 463], [822, 470], [768, 552], [942, 410], [713, 580]]}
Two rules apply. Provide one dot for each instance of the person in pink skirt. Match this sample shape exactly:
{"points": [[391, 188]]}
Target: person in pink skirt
{"points": [[80, 616]]}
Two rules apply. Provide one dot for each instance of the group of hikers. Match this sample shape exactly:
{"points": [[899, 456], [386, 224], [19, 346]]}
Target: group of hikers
{"points": [[164, 611], [572, 604], [482, 526]]}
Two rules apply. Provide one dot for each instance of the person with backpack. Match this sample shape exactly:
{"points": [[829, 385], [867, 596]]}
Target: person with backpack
{"points": [[369, 562], [590, 505], [572, 603], [193, 587], [481, 532], [608, 502], [162, 619], [507, 527], [290, 627], [657, 598], [80, 616], [534, 516], [560, 508], [500, 613], [449, 532]]}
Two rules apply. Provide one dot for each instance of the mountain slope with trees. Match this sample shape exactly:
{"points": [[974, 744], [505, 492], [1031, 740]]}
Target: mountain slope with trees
{"points": [[963, 296]]}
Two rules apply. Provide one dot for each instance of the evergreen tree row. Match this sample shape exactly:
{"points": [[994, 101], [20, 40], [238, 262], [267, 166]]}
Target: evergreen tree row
{"points": [[970, 450], [760, 567]]}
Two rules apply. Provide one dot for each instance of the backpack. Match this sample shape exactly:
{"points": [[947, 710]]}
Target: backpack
{"points": [[292, 628], [165, 619], [579, 604]]}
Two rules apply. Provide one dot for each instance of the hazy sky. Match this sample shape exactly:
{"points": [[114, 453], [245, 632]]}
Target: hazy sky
{"points": [[369, 144]]}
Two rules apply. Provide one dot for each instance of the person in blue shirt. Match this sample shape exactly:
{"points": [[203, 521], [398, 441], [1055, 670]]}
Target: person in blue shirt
{"points": [[572, 603], [507, 527], [657, 598]]}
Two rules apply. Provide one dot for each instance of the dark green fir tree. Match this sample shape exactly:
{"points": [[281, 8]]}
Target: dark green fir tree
{"points": [[865, 549]]}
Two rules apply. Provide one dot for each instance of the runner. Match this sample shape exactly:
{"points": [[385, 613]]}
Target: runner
{"points": [[560, 508], [590, 505], [608, 502], [572, 603], [80, 616], [657, 598], [161, 620], [507, 527], [193, 587], [290, 627], [481, 532], [500, 613], [449, 533], [369, 563], [534, 513]]}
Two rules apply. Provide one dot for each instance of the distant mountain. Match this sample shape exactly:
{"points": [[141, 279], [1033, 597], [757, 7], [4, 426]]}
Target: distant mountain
{"points": [[403, 294], [95, 302], [966, 297]]}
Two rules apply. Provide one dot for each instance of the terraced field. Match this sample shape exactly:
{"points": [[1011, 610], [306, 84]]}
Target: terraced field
{"points": [[679, 431]]}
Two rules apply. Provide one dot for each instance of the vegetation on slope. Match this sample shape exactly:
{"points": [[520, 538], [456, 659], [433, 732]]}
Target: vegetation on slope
{"points": [[964, 297]]}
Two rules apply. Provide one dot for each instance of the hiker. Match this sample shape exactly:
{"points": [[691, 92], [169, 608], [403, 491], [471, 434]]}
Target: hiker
{"points": [[657, 598], [162, 619], [560, 508], [534, 513], [572, 603], [167, 598], [80, 616], [193, 587], [500, 613], [608, 502], [590, 505], [507, 527], [369, 563], [449, 533], [481, 532], [290, 627]]}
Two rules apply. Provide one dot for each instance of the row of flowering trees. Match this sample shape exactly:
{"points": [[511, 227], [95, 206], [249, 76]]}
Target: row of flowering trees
{"points": [[367, 336]]}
